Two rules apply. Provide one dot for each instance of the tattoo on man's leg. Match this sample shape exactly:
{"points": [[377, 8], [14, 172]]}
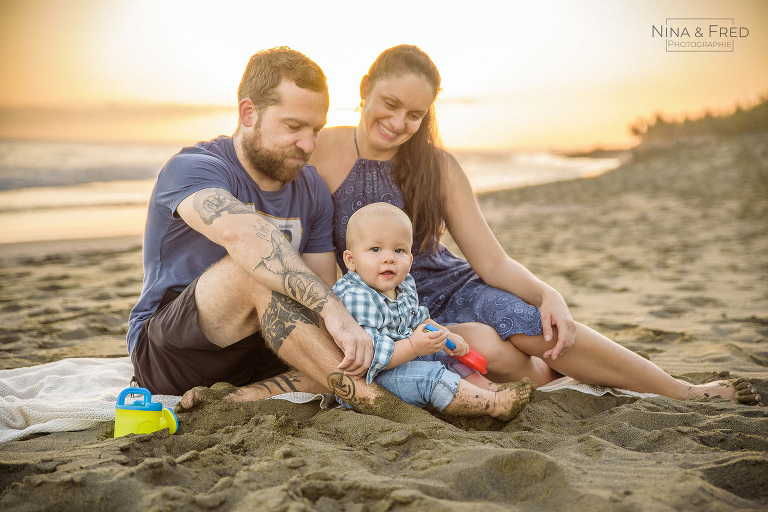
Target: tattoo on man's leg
{"points": [[342, 385], [282, 315], [283, 382]]}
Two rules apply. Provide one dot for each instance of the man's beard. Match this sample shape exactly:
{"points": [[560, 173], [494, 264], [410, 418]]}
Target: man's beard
{"points": [[272, 164]]}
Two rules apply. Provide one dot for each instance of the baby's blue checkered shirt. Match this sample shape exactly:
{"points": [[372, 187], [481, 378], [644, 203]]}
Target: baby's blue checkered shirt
{"points": [[386, 320]]}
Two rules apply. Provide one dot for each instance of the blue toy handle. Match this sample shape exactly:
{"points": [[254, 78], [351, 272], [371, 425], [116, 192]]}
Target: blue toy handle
{"points": [[472, 359], [134, 391], [448, 343]]}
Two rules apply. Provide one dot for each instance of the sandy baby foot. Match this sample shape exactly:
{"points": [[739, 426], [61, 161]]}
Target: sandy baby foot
{"points": [[478, 380], [512, 398]]}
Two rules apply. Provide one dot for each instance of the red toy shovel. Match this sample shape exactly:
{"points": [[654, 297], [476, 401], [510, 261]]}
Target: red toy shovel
{"points": [[471, 358]]}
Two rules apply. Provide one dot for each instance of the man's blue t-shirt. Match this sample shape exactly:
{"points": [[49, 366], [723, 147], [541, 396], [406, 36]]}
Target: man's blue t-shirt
{"points": [[175, 254]]}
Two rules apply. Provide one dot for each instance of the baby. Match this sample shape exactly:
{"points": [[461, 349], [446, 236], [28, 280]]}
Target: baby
{"points": [[410, 361]]}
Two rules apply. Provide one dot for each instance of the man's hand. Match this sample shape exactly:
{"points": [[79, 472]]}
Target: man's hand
{"points": [[356, 344]]}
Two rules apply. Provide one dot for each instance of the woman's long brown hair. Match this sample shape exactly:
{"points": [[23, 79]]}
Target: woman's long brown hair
{"points": [[417, 168]]}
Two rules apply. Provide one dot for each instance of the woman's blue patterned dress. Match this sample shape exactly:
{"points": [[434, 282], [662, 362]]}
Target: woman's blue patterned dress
{"points": [[447, 285]]}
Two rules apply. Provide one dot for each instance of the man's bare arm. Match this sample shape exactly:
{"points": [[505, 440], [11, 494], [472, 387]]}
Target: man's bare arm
{"points": [[257, 246], [323, 265], [261, 250]]}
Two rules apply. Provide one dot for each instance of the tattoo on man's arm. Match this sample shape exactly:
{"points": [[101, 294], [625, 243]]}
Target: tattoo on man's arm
{"points": [[210, 205], [262, 230], [281, 316], [342, 385], [306, 288], [299, 284]]}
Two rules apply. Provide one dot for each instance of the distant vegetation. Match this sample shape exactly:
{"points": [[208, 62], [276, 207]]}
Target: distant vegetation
{"points": [[661, 131]]}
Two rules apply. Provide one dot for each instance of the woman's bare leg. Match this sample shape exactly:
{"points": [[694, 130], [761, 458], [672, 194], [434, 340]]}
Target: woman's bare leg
{"points": [[506, 363], [595, 359]]}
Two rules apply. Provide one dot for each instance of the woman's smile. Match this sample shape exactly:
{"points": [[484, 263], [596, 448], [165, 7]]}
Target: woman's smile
{"points": [[384, 131]]}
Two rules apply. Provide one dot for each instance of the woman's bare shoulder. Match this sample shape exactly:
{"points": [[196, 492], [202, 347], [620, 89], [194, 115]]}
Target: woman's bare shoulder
{"points": [[331, 143], [334, 132], [448, 159], [334, 154], [454, 171], [333, 139]]}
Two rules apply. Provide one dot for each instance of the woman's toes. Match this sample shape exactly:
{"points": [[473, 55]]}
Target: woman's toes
{"points": [[745, 392]]}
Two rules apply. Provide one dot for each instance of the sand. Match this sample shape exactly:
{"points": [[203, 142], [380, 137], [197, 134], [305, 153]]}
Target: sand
{"points": [[668, 255]]}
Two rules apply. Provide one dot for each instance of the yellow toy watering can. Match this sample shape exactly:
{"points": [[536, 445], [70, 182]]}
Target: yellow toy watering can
{"points": [[143, 416]]}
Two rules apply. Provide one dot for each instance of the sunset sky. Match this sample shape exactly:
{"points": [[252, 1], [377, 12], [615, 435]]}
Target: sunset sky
{"points": [[548, 74]]}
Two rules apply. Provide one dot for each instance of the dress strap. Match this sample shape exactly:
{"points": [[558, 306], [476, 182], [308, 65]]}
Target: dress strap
{"points": [[355, 136]]}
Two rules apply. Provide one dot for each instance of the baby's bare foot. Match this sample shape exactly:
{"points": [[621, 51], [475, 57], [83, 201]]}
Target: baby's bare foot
{"points": [[480, 381], [512, 398]]}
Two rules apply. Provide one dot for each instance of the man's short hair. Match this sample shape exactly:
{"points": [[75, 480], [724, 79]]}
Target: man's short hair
{"points": [[268, 68]]}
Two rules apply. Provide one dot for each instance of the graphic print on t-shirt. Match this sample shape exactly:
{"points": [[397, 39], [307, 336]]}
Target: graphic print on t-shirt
{"points": [[290, 228]]}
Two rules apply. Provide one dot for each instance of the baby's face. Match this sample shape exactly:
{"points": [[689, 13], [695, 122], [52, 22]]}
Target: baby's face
{"points": [[381, 254]]}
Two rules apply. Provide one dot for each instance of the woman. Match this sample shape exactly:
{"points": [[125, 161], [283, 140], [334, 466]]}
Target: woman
{"points": [[521, 324]]}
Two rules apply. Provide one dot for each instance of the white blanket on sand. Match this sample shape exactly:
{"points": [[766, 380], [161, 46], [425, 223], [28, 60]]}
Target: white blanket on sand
{"points": [[67, 395], [74, 394]]}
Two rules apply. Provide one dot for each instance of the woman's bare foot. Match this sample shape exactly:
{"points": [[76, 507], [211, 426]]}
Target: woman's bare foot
{"points": [[739, 391], [511, 399]]}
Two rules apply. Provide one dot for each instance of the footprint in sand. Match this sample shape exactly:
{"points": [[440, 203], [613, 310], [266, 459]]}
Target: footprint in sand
{"points": [[671, 311], [743, 477]]}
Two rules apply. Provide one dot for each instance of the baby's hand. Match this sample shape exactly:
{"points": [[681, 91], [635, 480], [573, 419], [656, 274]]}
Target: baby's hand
{"points": [[427, 342], [462, 347]]}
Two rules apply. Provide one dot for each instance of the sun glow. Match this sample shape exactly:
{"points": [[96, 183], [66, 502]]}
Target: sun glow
{"points": [[541, 75]]}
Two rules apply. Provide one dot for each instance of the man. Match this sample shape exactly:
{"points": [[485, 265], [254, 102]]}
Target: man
{"points": [[224, 288]]}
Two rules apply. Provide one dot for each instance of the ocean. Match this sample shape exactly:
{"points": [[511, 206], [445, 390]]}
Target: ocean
{"points": [[68, 191]]}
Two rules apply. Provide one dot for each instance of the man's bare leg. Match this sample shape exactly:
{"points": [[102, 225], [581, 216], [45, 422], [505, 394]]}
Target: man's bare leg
{"points": [[298, 336], [232, 305], [288, 382]]}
